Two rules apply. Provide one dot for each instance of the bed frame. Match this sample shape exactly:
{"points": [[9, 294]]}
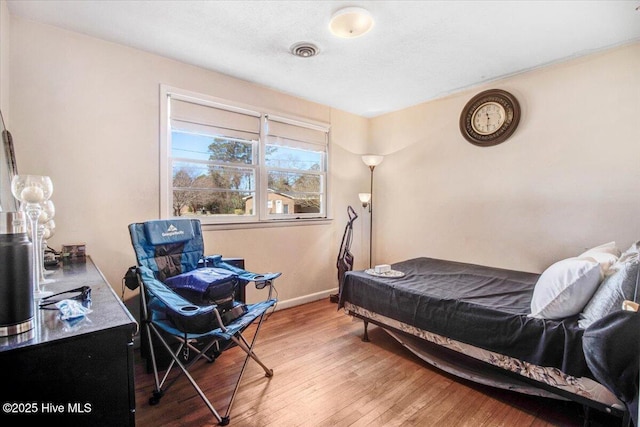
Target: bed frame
{"points": [[493, 369]]}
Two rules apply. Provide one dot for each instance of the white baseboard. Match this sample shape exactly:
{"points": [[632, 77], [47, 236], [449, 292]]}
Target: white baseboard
{"points": [[305, 299]]}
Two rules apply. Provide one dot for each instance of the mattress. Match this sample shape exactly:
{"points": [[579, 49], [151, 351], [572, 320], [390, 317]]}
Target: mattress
{"points": [[481, 306]]}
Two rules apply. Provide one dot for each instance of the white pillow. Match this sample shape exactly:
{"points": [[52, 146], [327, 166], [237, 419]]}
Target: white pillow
{"points": [[606, 254], [564, 288]]}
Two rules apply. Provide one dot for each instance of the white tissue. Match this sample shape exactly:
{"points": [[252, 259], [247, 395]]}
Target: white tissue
{"points": [[382, 268]]}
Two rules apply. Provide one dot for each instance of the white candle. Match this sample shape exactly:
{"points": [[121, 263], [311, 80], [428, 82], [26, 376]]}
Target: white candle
{"points": [[32, 194], [43, 217]]}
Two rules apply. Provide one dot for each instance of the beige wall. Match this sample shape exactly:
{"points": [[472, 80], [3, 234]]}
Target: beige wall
{"points": [[86, 113], [4, 59], [567, 179]]}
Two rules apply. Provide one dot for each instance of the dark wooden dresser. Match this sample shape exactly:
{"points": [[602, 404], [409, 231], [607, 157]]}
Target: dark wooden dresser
{"points": [[77, 374]]}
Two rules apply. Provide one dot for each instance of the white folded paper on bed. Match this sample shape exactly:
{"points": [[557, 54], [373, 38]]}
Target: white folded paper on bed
{"points": [[382, 268]]}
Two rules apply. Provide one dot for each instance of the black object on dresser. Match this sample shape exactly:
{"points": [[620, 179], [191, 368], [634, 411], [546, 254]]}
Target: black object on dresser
{"points": [[80, 374]]}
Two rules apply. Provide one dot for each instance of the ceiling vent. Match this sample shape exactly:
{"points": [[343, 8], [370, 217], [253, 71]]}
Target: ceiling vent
{"points": [[304, 49]]}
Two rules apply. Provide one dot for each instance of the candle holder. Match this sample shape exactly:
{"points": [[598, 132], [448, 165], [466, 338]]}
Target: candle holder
{"points": [[49, 230], [47, 213], [31, 191]]}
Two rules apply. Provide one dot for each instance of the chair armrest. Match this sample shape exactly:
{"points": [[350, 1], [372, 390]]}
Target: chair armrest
{"points": [[216, 261]]}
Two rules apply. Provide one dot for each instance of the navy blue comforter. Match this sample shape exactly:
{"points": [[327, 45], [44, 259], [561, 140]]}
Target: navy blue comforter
{"points": [[482, 306]]}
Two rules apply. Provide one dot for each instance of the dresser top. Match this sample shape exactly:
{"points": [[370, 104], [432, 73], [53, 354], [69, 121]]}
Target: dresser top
{"points": [[107, 310]]}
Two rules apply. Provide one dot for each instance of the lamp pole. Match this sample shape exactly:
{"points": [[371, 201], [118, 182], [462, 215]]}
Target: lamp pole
{"points": [[372, 167], [371, 160]]}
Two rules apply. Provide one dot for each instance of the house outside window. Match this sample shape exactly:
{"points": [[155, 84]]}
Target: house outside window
{"points": [[226, 163]]}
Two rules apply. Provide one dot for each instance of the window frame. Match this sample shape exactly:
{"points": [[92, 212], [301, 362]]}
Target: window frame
{"points": [[260, 216]]}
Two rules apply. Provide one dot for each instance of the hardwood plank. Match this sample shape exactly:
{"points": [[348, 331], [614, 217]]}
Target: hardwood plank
{"points": [[324, 375]]}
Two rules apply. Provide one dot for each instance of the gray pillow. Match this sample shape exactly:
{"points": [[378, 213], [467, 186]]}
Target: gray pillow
{"points": [[617, 286]]}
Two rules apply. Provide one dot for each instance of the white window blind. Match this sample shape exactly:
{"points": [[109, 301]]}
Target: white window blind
{"points": [[201, 118]]}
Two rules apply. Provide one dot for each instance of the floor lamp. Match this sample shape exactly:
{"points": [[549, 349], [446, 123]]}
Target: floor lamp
{"points": [[371, 160]]}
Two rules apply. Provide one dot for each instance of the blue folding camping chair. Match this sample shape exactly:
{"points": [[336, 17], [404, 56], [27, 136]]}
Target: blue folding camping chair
{"points": [[191, 298]]}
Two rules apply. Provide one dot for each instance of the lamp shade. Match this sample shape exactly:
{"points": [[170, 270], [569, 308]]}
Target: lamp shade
{"points": [[350, 22], [372, 159], [364, 197]]}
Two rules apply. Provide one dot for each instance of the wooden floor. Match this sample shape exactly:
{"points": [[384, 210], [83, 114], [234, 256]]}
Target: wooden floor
{"points": [[324, 375]]}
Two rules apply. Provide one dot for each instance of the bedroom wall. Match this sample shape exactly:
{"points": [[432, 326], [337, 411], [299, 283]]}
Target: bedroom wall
{"points": [[86, 113], [566, 180], [4, 59]]}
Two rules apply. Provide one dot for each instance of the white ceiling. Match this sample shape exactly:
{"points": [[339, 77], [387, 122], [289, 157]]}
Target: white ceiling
{"points": [[417, 50]]}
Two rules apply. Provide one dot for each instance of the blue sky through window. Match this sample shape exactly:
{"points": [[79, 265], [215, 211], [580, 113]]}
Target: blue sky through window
{"points": [[196, 147], [190, 146]]}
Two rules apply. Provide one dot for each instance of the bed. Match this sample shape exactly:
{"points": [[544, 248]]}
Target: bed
{"points": [[478, 322]]}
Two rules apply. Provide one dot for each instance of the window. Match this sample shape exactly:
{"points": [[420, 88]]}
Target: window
{"points": [[225, 163], [295, 157]]}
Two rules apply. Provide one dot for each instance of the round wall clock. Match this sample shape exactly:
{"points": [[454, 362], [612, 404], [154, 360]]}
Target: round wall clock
{"points": [[490, 117]]}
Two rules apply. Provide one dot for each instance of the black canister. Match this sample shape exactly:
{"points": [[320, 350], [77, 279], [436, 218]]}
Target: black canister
{"points": [[16, 277]]}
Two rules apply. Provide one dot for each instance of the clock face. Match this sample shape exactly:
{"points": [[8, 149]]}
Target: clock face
{"points": [[490, 117]]}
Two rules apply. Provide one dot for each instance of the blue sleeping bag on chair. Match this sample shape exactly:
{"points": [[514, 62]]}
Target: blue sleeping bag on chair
{"points": [[208, 285]]}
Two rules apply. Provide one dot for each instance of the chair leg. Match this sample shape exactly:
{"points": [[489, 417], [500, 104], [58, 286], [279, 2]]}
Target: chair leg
{"points": [[157, 393], [191, 380], [248, 349], [161, 388], [149, 326]]}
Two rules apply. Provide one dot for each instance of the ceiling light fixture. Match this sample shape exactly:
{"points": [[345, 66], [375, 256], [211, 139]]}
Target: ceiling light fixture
{"points": [[304, 49], [351, 22]]}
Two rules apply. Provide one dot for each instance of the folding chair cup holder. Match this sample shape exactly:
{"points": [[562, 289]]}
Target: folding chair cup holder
{"points": [[189, 299]]}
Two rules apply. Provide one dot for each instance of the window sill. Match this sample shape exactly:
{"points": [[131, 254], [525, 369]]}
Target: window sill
{"points": [[266, 224]]}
